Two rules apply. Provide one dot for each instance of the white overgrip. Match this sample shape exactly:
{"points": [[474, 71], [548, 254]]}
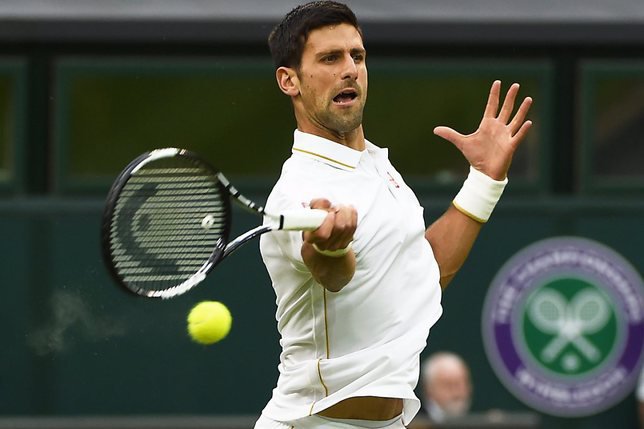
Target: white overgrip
{"points": [[302, 220]]}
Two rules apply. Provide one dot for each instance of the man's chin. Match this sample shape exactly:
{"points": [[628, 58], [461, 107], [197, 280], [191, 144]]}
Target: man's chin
{"points": [[346, 125]]}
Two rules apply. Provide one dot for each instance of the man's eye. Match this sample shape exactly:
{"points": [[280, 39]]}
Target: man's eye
{"points": [[330, 58], [358, 58]]}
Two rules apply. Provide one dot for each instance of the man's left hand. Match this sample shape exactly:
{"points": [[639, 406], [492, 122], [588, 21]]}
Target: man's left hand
{"points": [[491, 147]]}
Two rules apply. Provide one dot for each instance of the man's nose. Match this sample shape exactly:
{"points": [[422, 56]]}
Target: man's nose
{"points": [[350, 68]]}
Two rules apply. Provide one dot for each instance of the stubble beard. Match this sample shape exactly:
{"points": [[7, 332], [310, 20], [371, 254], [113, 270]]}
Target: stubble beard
{"points": [[342, 122]]}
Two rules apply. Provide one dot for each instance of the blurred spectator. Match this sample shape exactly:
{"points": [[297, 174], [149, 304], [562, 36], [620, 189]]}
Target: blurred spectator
{"points": [[447, 389]]}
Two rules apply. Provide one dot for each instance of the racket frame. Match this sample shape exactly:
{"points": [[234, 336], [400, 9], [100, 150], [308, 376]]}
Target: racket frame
{"points": [[299, 220], [218, 251]]}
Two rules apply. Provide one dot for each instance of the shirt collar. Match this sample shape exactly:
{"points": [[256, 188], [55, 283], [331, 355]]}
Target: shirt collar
{"points": [[327, 151]]}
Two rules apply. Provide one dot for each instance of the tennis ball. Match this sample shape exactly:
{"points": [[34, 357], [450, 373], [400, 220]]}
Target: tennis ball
{"points": [[209, 322]]}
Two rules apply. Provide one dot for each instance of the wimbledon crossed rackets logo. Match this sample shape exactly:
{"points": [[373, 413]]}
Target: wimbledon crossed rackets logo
{"points": [[563, 326], [569, 326]]}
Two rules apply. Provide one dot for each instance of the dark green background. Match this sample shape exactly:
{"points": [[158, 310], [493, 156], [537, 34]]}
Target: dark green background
{"points": [[75, 344]]}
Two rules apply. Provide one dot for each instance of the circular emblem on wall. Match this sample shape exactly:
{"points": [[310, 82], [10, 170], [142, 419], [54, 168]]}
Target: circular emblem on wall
{"points": [[563, 326]]}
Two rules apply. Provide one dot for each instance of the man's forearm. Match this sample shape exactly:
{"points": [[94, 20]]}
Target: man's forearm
{"points": [[333, 273], [452, 237]]}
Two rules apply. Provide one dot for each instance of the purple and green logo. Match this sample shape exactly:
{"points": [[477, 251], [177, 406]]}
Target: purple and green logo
{"points": [[563, 326]]}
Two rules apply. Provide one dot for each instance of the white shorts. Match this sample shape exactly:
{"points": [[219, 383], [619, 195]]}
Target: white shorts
{"points": [[317, 422]]}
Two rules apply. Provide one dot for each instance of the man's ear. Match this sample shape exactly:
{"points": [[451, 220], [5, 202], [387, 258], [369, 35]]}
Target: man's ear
{"points": [[288, 81]]}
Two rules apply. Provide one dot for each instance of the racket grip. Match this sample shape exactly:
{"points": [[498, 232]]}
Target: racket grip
{"points": [[302, 220]]}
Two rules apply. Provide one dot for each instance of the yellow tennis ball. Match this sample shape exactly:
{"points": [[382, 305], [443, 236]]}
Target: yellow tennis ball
{"points": [[209, 322]]}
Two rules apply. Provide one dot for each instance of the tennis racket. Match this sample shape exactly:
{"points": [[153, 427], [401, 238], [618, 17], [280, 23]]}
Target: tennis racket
{"points": [[167, 221]]}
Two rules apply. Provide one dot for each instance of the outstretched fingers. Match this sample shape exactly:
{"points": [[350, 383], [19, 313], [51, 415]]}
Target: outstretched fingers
{"points": [[520, 135], [498, 129], [493, 100], [508, 103], [450, 135], [519, 119]]}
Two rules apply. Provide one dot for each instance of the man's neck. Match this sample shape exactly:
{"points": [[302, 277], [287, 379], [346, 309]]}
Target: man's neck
{"points": [[353, 139]]}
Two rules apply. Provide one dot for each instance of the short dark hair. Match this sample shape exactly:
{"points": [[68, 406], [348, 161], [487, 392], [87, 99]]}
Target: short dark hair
{"points": [[288, 38]]}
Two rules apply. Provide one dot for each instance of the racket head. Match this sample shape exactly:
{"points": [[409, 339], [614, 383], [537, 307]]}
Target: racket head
{"points": [[166, 223]]}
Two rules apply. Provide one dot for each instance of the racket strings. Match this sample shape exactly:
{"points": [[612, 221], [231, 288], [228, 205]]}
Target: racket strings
{"points": [[159, 237]]}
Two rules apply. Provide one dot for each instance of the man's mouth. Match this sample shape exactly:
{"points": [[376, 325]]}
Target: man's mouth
{"points": [[345, 96]]}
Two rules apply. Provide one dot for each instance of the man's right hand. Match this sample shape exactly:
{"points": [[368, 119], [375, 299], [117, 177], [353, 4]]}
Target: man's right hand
{"points": [[335, 234]]}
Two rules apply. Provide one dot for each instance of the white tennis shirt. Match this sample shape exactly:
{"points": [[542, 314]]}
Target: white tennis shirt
{"points": [[366, 339]]}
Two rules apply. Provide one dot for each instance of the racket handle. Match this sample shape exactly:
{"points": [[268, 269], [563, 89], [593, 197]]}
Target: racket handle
{"points": [[302, 220]]}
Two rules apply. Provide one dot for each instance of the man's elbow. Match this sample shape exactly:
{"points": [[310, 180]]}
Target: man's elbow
{"points": [[445, 281], [446, 278]]}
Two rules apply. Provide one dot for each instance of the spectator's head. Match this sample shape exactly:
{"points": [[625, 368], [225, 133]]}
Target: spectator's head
{"points": [[447, 388]]}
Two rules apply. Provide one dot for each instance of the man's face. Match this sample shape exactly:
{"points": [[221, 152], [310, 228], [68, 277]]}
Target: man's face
{"points": [[333, 78], [451, 390]]}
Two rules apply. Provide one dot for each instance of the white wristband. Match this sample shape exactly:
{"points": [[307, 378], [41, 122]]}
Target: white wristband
{"points": [[333, 253], [479, 195]]}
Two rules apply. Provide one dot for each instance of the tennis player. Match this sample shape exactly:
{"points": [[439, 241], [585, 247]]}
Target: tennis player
{"points": [[357, 297]]}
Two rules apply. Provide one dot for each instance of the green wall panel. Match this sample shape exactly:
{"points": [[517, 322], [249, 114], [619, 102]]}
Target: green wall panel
{"points": [[18, 377], [79, 345], [230, 111]]}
